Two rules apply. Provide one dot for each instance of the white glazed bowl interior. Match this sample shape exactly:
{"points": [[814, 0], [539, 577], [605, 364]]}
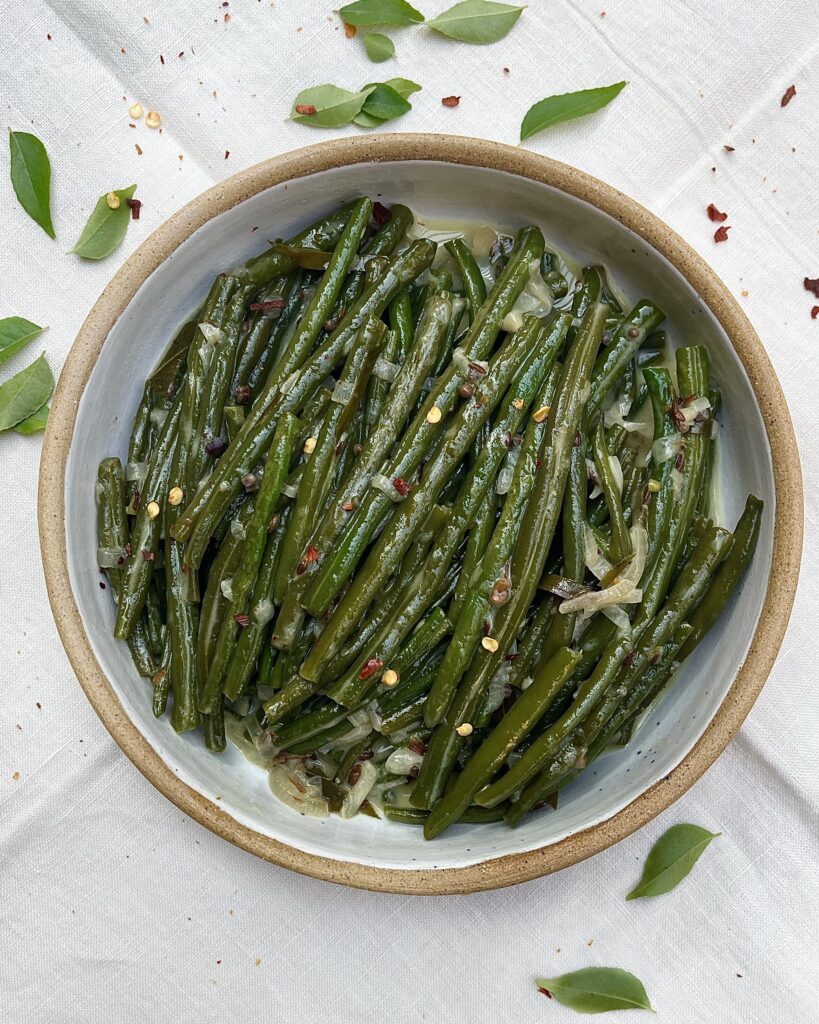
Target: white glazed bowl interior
{"points": [[172, 293]]}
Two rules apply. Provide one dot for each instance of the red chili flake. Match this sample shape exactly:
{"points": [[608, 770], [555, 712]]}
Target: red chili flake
{"points": [[243, 621], [48, 34], [370, 667], [358, 449], [628, 661], [181, 53], [227, 18], [401, 485], [417, 746], [218, 961], [544, 991], [134, 205], [275, 519], [148, 555], [728, 149], [310, 555], [380, 213], [790, 92], [161, 59], [215, 447], [349, 30], [675, 411], [138, 149], [102, 585], [578, 440], [538, 463], [814, 313], [354, 775], [451, 101], [679, 462], [366, 755], [348, 506], [721, 234], [39, 705], [476, 370], [465, 390], [812, 285], [414, 771], [242, 394], [305, 108], [511, 657], [714, 214], [266, 307], [506, 71], [227, 153]]}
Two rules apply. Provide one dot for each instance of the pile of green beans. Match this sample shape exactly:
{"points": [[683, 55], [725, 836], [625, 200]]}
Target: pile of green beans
{"points": [[422, 531]]}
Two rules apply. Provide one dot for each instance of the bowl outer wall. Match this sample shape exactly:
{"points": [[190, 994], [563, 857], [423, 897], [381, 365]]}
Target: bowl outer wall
{"points": [[787, 531]]}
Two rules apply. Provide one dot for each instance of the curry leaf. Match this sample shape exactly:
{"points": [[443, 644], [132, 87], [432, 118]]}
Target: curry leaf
{"points": [[15, 333], [566, 107], [25, 393], [477, 21], [31, 177], [328, 106], [385, 103], [670, 859], [597, 990], [379, 48], [35, 423], [380, 12], [106, 228], [403, 86]]}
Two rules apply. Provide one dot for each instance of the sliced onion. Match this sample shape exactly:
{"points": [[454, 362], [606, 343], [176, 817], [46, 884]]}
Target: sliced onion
{"points": [[226, 586], [403, 760], [294, 787], [264, 612], [135, 472], [399, 795], [482, 240], [665, 448], [461, 361], [158, 416], [622, 588], [288, 384], [343, 392], [237, 529], [677, 480], [111, 558], [212, 334], [290, 490], [507, 471], [358, 792], [236, 732], [591, 473], [619, 617], [385, 370], [596, 563]]}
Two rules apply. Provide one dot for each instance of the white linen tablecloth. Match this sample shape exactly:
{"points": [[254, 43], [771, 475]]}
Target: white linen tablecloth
{"points": [[115, 906]]}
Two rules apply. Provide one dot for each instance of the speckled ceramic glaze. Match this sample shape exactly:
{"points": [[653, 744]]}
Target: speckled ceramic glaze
{"points": [[163, 283]]}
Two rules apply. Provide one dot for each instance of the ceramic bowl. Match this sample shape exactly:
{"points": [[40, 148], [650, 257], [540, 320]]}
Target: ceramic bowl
{"points": [[163, 283]]}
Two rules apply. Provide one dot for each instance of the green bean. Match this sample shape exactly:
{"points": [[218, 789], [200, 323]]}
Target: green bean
{"points": [[692, 377], [659, 631], [214, 601], [138, 445], [658, 383], [213, 726], [112, 533], [656, 675], [480, 533], [728, 575], [473, 281], [153, 615], [620, 540], [266, 329], [317, 477], [201, 516], [275, 471], [323, 234], [486, 761], [490, 586], [136, 574], [471, 816], [629, 336], [252, 637], [161, 685], [537, 532], [234, 418], [335, 570], [400, 313]]}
